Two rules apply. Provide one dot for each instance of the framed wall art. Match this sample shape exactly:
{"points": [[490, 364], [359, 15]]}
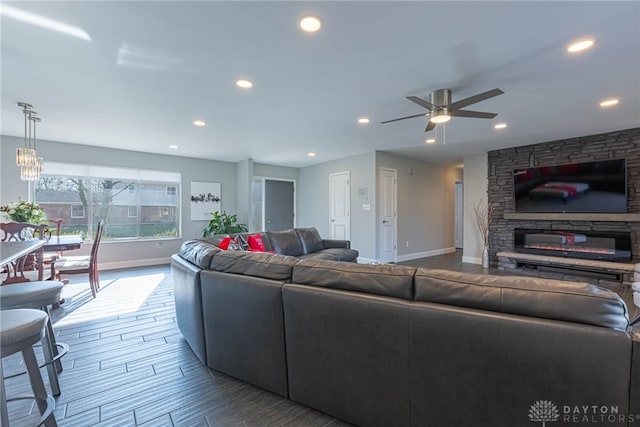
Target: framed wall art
{"points": [[205, 198]]}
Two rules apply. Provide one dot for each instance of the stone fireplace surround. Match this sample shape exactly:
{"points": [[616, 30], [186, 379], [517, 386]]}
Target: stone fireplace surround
{"points": [[501, 163]]}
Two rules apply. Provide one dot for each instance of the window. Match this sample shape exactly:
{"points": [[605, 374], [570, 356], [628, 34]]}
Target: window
{"points": [[134, 203], [77, 211]]}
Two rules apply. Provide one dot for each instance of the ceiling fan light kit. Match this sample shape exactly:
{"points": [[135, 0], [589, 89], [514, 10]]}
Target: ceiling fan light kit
{"points": [[441, 109]]}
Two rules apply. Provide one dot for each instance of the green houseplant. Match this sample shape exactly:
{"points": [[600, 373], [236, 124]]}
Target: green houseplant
{"points": [[22, 211], [223, 223]]}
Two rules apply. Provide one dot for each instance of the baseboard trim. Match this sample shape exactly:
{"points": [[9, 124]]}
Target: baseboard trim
{"points": [[472, 260], [134, 263], [426, 254], [363, 260]]}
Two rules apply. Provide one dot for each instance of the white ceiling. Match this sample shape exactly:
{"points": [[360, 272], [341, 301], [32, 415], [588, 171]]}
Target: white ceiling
{"points": [[151, 68]]}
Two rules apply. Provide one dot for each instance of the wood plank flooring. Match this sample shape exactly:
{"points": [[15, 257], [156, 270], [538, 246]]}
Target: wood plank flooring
{"points": [[128, 365]]}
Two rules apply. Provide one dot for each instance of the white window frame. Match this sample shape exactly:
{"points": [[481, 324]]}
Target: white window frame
{"points": [[84, 211], [138, 176]]}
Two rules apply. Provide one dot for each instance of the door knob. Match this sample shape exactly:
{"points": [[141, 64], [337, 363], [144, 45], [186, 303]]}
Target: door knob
{"points": [[384, 221], [333, 220]]}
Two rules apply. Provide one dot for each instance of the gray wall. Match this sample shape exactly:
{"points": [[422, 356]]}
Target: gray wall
{"points": [[125, 254], [425, 199], [244, 177], [271, 171], [426, 202], [475, 189], [313, 199]]}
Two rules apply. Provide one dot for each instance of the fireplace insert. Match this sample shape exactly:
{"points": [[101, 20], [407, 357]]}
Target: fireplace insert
{"points": [[604, 246]]}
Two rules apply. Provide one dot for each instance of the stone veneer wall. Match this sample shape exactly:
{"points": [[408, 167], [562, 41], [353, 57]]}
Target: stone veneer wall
{"points": [[501, 163]]}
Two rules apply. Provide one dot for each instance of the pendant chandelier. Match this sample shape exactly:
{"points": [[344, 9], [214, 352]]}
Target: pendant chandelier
{"points": [[27, 157]]}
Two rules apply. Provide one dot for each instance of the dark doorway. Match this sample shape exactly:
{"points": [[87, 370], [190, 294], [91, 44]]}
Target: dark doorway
{"points": [[278, 205]]}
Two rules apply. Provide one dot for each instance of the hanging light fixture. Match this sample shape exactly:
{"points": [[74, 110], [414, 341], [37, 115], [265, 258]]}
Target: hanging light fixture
{"points": [[27, 157]]}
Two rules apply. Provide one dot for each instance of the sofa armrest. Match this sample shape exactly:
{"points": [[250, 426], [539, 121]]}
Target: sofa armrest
{"points": [[188, 303], [634, 389], [331, 243]]}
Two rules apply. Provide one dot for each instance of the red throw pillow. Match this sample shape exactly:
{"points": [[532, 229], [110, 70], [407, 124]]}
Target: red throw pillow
{"points": [[224, 244], [256, 243]]}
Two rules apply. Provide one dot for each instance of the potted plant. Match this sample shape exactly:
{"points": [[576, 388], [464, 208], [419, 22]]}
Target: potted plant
{"points": [[22, 211], [223, 223]]}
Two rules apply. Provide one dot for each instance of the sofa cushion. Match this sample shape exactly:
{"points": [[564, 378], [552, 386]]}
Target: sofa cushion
{"points": [[527, 296], [333, 254], [285, 242], [258, 264], [310, 240], [387, 280], [198, 252]]}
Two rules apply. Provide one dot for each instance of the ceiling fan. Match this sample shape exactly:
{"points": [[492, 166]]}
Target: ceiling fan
{"points": [[441, 109]]}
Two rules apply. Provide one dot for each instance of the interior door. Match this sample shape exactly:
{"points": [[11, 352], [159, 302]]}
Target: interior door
{"points": [[340, 205], [387, 215], [278, 205], [458, 215]]}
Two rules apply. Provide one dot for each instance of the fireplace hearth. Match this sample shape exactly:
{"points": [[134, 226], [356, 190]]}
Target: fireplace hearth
{"points": [[604, 246]]}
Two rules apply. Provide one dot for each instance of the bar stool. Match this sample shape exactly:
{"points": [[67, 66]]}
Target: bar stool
{"points": [[39, 295], [20, 329]]}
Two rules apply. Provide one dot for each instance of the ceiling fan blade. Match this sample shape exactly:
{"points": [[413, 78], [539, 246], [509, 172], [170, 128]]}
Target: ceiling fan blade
{"points": [[475, 98], [475, 114], [429, 106], [430, 126], [408, 117]]}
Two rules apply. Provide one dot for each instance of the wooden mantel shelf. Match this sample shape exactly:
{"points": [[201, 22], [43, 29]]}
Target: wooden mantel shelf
{"points": [[611, 217]]}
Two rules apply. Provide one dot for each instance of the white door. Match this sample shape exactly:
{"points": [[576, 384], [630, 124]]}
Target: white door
{"points": [[388, 186], [458, 218], [340, 205]]}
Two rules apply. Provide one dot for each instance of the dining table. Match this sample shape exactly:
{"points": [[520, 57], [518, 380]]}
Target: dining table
{"points": [[63, 243], [13, 255], [12, 251]]}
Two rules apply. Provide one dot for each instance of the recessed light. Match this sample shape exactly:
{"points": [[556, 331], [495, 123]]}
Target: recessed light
{"points": [[500, 126], [580, 45], [173, 147], [310, 23], [430, 141], [244, 84], [364, 120], [609, 102], [312, 154], [199, 123]]}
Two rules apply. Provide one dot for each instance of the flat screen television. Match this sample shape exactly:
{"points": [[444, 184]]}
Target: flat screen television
{"points": [[589, 187]]}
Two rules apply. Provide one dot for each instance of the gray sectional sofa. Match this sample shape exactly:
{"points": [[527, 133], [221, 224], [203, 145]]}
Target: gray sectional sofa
{"points": [[385, 345]]}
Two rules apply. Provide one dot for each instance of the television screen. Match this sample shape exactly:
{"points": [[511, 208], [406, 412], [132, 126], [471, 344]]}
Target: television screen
{"points": [[593, 187]]}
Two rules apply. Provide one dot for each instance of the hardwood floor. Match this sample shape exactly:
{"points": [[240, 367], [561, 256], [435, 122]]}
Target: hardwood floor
{"points": [[128, 364]]}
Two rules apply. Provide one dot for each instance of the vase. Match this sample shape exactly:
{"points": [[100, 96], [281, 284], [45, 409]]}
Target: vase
{"points": [[485, 257]]}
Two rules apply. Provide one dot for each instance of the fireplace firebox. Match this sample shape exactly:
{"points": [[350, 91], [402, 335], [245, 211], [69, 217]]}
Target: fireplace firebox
{"points": [[604, 246]]}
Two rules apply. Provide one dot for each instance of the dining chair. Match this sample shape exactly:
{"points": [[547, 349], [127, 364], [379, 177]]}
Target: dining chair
{"points": [[48, 258], [25, 268], [87, 264]]}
